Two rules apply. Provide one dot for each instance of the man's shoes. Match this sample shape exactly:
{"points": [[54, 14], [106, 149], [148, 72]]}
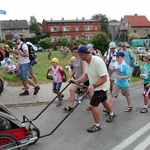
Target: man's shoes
{"points": [[94, 128], [37, 88], [144, 110], [128, 109], [24, 93], [111, 117]]}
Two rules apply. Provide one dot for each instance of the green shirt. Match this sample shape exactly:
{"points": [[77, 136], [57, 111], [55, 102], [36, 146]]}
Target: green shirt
{"points": [[146, 70]]}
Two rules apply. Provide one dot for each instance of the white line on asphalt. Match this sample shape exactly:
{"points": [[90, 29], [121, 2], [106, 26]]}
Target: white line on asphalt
{"points": [[142, 146], [132, 138]]}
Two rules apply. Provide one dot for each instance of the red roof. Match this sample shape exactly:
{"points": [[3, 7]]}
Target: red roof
{"points": [[138, 21]]}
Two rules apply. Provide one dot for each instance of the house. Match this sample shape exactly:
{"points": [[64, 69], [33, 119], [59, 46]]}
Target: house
{"points": [[72, 29], [134, 23], [10, 27]]}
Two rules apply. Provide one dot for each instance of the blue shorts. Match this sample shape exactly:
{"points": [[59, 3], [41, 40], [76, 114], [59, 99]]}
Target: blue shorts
{"points": [[30, 68], [24, 70], [57, 86]]}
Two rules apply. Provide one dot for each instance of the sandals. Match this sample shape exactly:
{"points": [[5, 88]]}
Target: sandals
{"points": [[88, 108], [67, 108], [128, 109]]}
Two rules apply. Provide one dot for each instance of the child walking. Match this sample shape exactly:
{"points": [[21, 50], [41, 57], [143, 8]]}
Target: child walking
{"points": [[58, 75], [145, 75], [121, 82]]}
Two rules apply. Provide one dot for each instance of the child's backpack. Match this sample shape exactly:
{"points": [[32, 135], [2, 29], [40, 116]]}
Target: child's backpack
{"points": [[32, 55]]}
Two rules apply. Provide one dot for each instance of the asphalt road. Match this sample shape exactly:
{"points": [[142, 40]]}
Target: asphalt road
{"points": [[128, 131]]}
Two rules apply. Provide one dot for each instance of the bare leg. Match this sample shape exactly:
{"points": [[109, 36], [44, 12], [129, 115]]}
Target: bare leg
{"points": [[96, 114]]}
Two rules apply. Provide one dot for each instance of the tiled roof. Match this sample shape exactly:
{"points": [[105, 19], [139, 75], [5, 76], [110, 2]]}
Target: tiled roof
{"points": [[138, 21], [14, 24]]}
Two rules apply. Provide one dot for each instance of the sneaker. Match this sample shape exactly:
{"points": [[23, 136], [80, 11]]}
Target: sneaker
{"points": [[144, 110], [24, 93], [128, 109], [58, 103], [111, 117], [37, 88], [5, 85], [94, 128]]}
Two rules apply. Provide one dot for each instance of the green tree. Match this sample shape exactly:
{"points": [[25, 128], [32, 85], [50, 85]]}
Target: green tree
{"points": [[9, 43], [104, 22], [63, 41], [100, 41], [134, 36], [80, 41], [34, 26], [45, 43]]}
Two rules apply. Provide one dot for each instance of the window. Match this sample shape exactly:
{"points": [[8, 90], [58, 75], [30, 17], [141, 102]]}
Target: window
{"points": [[146, 31], [87, 28], [87, 38], [95, 28], [54, 29], [69, 38], [22, 30], [8, 31], [135, 31], [66, 29], [77, 29], [54, 39], [77, 37]]}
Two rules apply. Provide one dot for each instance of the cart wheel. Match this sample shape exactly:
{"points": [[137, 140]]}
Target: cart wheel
{"points": [[34, 132], [8, 141]]}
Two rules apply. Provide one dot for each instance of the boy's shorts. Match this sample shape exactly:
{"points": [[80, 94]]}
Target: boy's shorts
{"points": [[98, 97], [116, 88], [112, 74], [24, 70], [57, 86], [146, 90]]}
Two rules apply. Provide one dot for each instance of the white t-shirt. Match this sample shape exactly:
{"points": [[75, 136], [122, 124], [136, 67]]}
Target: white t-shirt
{"points": [[23, 60]]}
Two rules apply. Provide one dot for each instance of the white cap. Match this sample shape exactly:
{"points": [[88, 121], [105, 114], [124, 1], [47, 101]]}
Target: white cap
{"points": [[112, 45]]}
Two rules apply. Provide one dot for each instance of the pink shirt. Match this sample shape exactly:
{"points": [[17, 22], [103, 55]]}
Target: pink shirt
{"points": [[56, 73]]}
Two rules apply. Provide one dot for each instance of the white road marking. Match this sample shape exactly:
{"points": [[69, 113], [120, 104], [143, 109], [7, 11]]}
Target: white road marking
{"points": [[132, 138], [143, 145]]}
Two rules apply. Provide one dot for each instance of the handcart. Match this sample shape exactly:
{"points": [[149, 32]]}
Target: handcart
{"points": [[15, 134]]}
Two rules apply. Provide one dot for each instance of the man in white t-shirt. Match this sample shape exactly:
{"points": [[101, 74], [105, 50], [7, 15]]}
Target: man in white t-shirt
{"points": [[96, 72], [111, 62]]}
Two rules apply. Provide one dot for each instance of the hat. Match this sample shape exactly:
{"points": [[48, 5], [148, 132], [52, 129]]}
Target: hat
{"points": [[15, 37], [147, 55], [6, 46], [55, 60], [83, 49], [90, 45], [120, 54], [112, 45]]}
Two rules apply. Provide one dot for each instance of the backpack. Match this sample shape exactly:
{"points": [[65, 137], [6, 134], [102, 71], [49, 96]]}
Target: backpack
{"points": [[31, 51]]}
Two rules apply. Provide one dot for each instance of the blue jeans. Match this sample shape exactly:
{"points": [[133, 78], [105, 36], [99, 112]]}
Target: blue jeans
{"points": [[57, 86], [24, 70]]}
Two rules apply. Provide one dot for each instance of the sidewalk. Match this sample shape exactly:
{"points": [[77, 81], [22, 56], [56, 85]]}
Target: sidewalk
{"points": [[10, 95]]}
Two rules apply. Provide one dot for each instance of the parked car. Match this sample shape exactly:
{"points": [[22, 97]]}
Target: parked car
{"points": [[37, 49], [140, 50]]}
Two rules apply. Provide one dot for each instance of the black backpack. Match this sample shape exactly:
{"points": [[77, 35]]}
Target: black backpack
{"points": [[32, 55]]}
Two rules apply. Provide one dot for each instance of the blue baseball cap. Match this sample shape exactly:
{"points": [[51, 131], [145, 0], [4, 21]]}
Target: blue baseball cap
{"points": [[15, 37], [83, 49], [120, 54]]}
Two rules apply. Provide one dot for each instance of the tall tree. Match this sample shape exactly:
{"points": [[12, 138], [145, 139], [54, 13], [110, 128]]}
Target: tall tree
{"points": [[34, 26], [104, 21]]}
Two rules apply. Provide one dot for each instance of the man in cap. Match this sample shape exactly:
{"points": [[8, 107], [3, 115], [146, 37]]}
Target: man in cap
{"points": [[96, 72], [24, 64]]}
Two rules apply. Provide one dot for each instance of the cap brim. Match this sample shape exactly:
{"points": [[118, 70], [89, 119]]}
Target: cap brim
{"points": [[14, 39]]}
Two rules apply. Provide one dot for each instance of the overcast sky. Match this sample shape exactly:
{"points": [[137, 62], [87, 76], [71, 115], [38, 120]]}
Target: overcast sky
{"points": [[70, 9]]}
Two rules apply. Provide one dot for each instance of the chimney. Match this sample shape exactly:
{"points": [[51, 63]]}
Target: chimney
{"points": [[76, 18], [51, 18], [135, 14], [82, 18], [62, 18]]}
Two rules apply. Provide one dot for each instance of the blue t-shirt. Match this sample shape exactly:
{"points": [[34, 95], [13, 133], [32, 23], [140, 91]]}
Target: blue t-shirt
{"points": [[128, 56], [122, 70], [146, 71]]}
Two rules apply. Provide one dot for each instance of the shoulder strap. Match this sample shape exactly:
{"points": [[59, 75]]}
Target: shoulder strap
{"points": [[21, 47]]}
